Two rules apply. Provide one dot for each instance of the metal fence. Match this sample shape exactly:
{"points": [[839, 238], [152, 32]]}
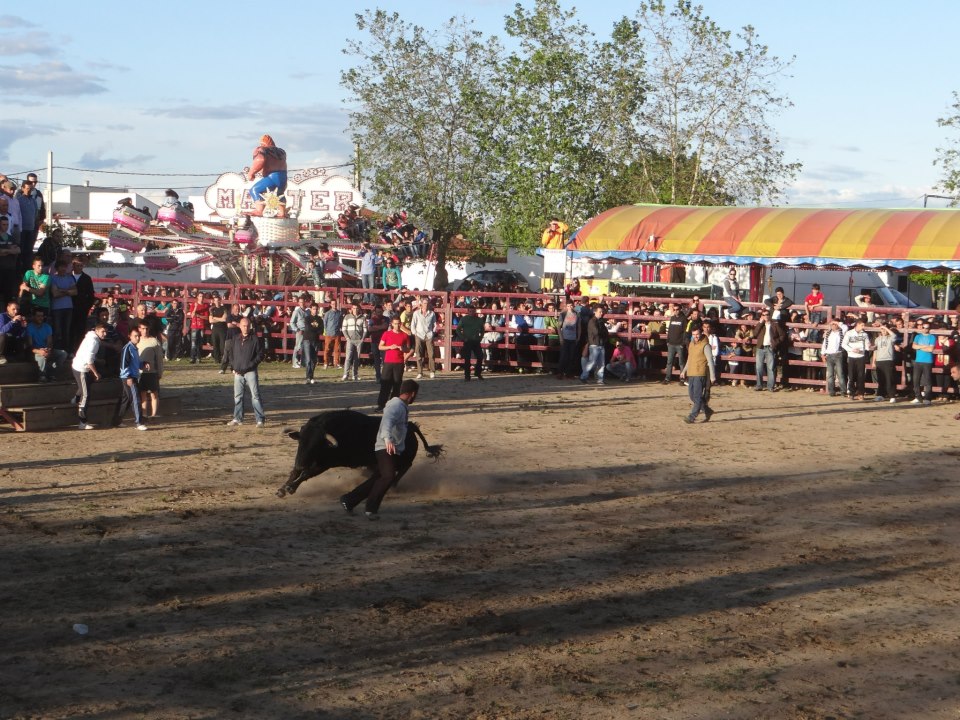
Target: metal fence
{"points": [[799, 366]]}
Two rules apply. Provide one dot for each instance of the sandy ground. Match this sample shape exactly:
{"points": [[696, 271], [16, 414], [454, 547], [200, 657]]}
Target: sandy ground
{"points": [[580, 553]]}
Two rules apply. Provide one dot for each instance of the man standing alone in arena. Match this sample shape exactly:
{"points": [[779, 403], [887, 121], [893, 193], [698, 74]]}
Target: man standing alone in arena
{"points": [[698, 370]]}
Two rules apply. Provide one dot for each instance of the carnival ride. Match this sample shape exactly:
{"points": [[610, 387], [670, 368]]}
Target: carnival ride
{"points": [[267, 249]]}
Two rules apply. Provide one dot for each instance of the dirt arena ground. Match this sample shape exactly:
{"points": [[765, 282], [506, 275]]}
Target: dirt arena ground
{"points": [[580, 553]]}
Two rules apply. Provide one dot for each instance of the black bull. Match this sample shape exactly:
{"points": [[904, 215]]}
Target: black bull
{"points": [[346, 438]]}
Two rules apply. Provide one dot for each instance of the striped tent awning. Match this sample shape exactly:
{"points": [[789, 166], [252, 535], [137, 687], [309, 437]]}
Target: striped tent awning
{"points": [[875, 239]]}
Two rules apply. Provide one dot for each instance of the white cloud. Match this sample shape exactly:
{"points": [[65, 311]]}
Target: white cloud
{"points": [[11, 133], [95, 160], [816, 193], [46, 79], [13, 21], [31, 43]]}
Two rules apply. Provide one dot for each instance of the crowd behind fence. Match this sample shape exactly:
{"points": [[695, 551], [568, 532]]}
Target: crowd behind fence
{"points": [[523, 327]]}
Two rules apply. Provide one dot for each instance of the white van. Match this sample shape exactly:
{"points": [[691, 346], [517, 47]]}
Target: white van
{"points": [[841, 287]]}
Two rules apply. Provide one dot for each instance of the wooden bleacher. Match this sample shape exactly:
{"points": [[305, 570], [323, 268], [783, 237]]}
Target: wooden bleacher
{"points": [[29, 406]]}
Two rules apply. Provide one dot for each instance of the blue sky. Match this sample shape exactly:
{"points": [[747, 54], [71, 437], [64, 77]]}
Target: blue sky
{"points": [[106, 93]]}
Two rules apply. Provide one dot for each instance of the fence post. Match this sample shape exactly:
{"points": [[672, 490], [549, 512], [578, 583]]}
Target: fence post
{"points": [[448, 334]]}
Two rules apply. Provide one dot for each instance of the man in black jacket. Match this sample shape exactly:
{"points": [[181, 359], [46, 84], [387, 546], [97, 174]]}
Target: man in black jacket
{"points": [[246, 353], [594, 357], [675, 324], [83, 301]]}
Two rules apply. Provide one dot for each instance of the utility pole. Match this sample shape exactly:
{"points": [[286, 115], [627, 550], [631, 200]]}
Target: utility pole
{"points": [[49, 197], [356, 167]]}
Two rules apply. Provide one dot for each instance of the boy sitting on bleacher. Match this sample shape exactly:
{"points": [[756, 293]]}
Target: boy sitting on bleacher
{"points": [[12, 332], [40, 343]]}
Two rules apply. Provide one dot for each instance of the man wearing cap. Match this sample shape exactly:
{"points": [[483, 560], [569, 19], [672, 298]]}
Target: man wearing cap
{"points": [[271, 162], [552, 237]]}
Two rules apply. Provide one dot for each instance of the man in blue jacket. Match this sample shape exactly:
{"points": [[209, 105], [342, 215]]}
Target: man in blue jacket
{"points": [[130, 377]]}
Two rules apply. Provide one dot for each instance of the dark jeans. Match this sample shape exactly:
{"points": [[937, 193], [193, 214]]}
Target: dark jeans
{"points": [[62, 320], [922, 380], [308, 357], [857, 373], [376, 357], [374, 487], [885, 384], [697, 387], [568, 357], [391, 376], [218, 338], [678, 351], [196, 344], [173, 344], [472, 348], [9, 285]]}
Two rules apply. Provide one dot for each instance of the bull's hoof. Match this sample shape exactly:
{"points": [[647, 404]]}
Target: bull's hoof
{"points": [[282, 492]]}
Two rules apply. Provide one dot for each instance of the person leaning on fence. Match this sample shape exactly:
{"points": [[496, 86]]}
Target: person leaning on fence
{"points": [[675, 322], [298, 323], [423, 322], [923, 345], [332, 319], [769, 336], [832, 351], [470, 329], [570, 330], [219, 314], [857, 344], [354, 329], [884, 359], [594, 359]]}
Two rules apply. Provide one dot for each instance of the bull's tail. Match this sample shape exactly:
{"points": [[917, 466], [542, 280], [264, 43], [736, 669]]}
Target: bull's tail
{"points": [[433, 451]]}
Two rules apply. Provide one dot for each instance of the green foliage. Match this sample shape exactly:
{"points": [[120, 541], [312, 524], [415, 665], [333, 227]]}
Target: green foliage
{"points": [[669, 108], [412, 91], [705, 126], [934, 281], [64, 235], [948, 158], [562, 99]]}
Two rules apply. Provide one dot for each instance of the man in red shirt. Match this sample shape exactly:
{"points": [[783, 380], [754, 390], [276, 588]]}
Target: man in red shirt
{"points": [[812, 304], [396, 349], [199, 316]]}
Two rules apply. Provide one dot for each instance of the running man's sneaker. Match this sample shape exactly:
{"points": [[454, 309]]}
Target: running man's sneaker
{"points": [[234, 423], [86, 426], [141, 426], [371, 515]]}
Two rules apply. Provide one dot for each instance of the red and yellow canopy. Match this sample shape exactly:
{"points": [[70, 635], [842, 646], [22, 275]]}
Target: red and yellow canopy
{"points": [[774, 236]]}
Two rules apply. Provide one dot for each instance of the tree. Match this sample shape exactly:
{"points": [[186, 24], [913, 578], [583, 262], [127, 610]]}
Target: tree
{"points": [[414, 91], [704, 127], [948, 158], [562, 103]]}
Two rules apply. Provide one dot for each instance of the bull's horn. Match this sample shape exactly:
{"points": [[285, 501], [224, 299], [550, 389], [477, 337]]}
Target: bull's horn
{"points": [[331, 440]]}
